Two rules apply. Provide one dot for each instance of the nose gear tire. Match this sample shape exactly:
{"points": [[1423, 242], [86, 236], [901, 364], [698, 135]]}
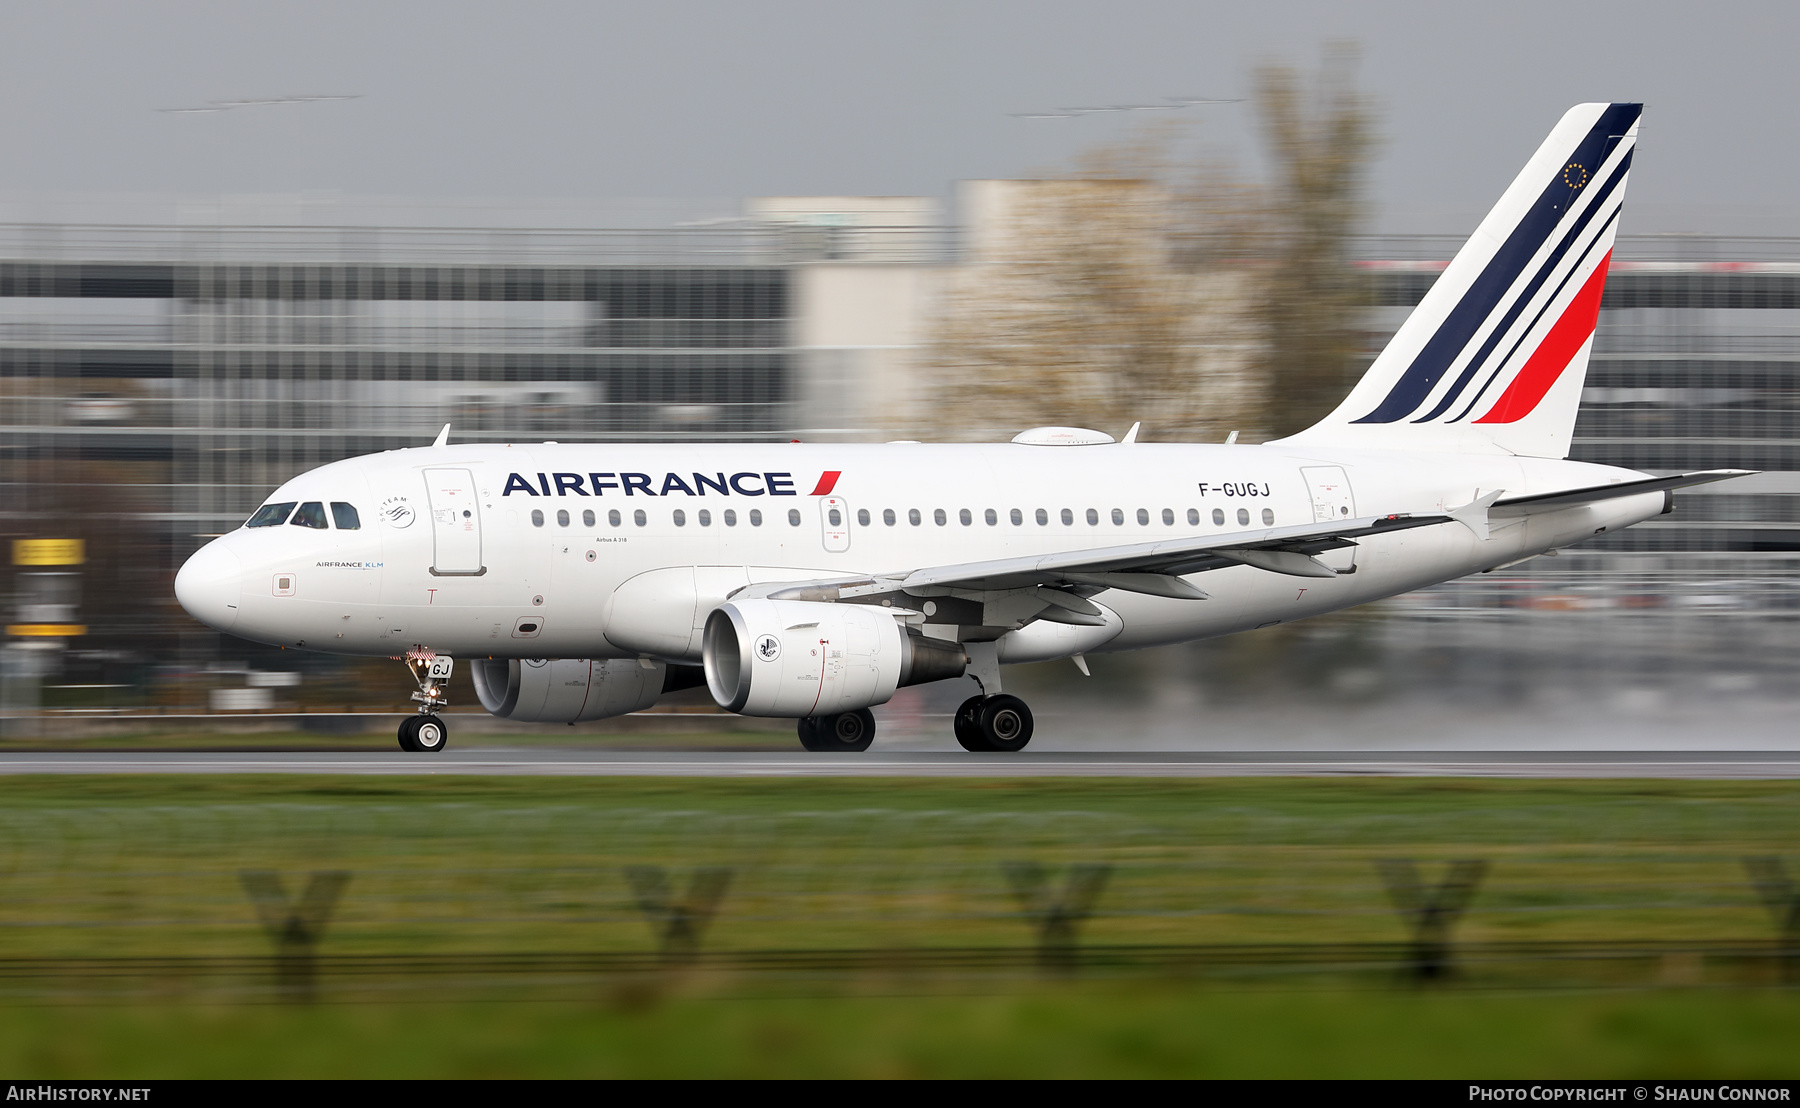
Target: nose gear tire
{"points": [[408, 727], [431, 736]]}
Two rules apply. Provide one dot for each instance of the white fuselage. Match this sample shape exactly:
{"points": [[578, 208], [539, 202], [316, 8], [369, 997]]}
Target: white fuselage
{"points": [[450, 557]]}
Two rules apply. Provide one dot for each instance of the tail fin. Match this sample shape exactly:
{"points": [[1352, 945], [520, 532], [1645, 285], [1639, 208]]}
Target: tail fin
{"points": [[1493, 358]]}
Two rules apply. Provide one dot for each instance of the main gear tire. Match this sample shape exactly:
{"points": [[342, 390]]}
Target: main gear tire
{"points": [[1004, 722], [967, 727], [848, 732]]}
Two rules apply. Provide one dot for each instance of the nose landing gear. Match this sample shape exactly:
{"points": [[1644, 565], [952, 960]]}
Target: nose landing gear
{"points": [[426, 732]]}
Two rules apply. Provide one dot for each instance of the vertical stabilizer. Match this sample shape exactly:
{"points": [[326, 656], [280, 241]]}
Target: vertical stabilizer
{"points": [[1493, 358]]}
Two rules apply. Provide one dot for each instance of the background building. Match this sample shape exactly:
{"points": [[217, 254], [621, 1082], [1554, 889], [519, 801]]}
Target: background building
{"points": [[156, 380]]}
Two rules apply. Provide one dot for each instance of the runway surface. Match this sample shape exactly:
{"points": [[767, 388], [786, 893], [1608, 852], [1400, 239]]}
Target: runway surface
{"points": [[593, 763]]}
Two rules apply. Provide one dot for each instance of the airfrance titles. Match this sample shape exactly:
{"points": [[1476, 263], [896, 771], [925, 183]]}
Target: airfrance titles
{"points": [[649, 484]]}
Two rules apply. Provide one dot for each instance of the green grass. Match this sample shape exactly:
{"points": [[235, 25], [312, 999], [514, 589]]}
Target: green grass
{"points": [[1074, 1031], [96, 867], [150, 865]]}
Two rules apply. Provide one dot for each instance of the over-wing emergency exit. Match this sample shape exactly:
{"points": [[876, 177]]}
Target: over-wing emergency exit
{"points": [[578, 582]]}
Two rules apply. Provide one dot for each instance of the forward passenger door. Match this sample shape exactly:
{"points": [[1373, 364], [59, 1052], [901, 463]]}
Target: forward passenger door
{"points": [[455, 523]]}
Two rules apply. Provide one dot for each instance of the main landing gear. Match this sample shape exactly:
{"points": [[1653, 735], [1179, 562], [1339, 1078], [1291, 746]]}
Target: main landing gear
{"points": [[426, 733], [850, 731], [993, 723]]}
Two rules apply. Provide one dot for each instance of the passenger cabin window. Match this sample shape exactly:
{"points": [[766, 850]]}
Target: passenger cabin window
{"points": [[793, 517], [966, 516], [887, 516], [938, 517], [562, 517], [729, 516], [1218, 517], [638, 517], [612, 517], [1268, 517], [1143, 517], [1043, 518], [1093, 517], [345, 517], [836, 517], [680, 517], [862, 517], [587, 517], [1118, 516], [704, 516], [912, 517], [1243, 517], [1193, 517], [1068, 518], [271, 515], [991, 517], [310, 514], [537, 517], [1169, 517], [756, 517]]}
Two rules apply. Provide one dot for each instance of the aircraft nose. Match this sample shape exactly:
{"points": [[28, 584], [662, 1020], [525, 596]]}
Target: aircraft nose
{"points": [[210, 584]]}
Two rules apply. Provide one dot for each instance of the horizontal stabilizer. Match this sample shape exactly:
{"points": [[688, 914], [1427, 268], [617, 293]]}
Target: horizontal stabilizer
{"points": [[1594, 494]]}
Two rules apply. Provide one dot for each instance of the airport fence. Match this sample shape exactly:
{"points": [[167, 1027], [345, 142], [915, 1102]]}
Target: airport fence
{"points": [[295, 901]]}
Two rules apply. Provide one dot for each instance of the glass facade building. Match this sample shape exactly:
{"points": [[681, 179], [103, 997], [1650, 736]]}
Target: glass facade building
{"points": [[157, 381]]}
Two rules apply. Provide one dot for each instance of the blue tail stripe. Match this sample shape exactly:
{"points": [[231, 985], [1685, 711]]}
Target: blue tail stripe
{"points": [[1561, 285], [1502, 272], [1524, 297]]}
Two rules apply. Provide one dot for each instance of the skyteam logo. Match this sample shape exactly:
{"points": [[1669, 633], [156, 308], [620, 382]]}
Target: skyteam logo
{"points": [[1511, 322]]}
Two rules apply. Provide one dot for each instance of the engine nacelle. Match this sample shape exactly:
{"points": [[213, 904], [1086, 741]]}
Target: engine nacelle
{"points": [[565, 690], [809, 658]]}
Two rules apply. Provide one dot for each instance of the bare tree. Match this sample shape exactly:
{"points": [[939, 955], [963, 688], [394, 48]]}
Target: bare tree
{"points": [[1143, 284], [1319, 139], [1098, 298]]}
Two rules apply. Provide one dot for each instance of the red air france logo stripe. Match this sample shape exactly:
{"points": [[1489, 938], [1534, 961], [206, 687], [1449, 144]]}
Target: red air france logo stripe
{"points": [[827, 482], [1554, 354]]}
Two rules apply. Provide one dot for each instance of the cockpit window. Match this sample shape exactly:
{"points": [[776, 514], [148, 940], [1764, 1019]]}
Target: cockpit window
{"points": [[344, 515], [271, 515], [311, 514]]}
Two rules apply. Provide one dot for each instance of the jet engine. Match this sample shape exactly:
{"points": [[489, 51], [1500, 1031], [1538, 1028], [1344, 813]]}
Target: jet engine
{"points": [[797, 658], [565, 690]]}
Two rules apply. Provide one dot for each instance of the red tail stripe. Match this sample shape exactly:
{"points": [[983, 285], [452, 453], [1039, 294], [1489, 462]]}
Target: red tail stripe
{"points": [[1554, 354], [827, 482]]}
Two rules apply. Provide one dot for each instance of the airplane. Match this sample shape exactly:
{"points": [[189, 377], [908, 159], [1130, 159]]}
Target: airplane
{"points": [[810, 581]]}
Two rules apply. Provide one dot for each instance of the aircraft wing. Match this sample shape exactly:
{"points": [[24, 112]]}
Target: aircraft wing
{"points": [[1060, 582], [1282, 549], [1155, 568]]}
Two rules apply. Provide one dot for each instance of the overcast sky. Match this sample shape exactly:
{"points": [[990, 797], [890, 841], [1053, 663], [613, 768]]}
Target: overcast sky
{"points": [[681, 99]]}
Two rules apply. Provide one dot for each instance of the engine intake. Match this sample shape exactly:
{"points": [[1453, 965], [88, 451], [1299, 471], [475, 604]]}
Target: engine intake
{"points": [[565, 690], [796, 658]]}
